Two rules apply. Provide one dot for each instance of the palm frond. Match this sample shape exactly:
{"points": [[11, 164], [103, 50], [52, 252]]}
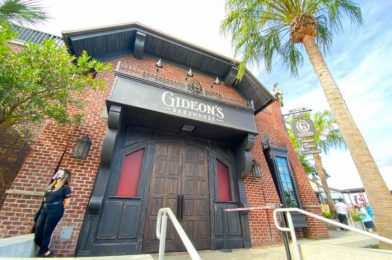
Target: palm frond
{"points": [[260, 28], [21, 11]]}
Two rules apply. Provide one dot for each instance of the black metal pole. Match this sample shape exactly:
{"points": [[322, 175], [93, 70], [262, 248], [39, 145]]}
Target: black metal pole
{"points": [[284, 236]]}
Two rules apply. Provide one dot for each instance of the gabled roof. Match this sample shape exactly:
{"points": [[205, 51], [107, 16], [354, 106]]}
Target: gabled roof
{"points": [[30, 35], [104, 43]]}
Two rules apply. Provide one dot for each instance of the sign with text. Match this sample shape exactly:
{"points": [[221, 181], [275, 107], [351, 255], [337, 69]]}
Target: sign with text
{"points": [[174, 102], [311, 151], [303, 128]]}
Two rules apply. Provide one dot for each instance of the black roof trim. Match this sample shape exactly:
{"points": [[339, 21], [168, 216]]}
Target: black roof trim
{"points": [[99, 44]]}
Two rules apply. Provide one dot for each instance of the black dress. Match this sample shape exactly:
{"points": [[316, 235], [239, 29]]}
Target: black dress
{"points": [[52, 212]]}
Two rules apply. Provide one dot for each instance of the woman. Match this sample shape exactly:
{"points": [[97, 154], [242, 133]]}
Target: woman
{"points": [[56, 198], [367, 220]]}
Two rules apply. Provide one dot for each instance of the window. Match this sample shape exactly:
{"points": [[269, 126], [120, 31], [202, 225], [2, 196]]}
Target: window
{"points": [[130, 174], [290, 196], [223, 182]]}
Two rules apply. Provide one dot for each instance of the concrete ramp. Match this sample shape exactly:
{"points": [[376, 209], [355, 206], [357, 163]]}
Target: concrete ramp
{"points": [[343, 245], [23, 247], [328, 252]]}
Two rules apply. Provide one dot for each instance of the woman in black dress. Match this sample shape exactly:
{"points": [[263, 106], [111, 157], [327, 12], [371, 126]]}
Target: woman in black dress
{"points": [[56, 198]]}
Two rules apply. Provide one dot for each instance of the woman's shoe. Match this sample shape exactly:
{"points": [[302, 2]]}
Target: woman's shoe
{"points": [[48, 255]]}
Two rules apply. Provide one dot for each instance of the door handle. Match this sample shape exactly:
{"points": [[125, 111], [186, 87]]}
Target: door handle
{"points": [[180, 207]]}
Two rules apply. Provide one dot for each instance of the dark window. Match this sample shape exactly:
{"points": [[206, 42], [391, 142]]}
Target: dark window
{"points": [[290, 196], [130, 173], [223, 179]]}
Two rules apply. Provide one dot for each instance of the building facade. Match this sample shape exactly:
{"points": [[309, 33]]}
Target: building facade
{"points": [[173, 128]]}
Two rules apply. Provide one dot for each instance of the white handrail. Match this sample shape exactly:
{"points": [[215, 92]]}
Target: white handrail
{"points": [[161, 233], [290, 228]]}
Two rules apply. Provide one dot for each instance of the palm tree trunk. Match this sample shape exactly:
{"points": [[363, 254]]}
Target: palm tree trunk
{"points": [[377, 191], [324, 183]]}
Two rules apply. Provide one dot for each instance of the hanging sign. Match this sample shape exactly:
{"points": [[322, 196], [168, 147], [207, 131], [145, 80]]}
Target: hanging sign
{"points": [[303, 128], [311, 151]]}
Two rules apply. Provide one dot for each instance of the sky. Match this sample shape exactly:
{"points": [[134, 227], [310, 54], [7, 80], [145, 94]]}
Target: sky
{"points": [[360, 60]]}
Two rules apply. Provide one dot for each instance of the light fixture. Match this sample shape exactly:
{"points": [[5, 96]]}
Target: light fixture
{"points": [[82, 147], [256, 169], [217, 82], [188, 128], [190, 73], [158, 65]]}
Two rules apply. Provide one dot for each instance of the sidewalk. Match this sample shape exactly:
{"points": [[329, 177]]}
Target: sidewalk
{"points": [[349, 240]]}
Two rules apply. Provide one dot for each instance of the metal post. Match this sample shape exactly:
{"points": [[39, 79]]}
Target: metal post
{"points": [[162, 239], [293, 237], [285, 237], [224, 224]]}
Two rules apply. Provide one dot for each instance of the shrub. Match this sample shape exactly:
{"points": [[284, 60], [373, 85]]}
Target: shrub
{"points": [[327, 214]]}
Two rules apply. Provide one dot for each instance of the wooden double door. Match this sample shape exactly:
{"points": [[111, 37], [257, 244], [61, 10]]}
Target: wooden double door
{"points": [[179, 181]]}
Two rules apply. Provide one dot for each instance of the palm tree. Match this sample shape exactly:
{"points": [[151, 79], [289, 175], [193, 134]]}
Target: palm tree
{"points": [[264, 29], [20, 11], [327, 136]]}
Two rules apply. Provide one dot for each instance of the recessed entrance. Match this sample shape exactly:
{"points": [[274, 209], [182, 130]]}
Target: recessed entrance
{"points": [[180, 181]]}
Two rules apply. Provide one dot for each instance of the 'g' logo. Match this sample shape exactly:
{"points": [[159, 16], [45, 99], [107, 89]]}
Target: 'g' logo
{"points": [[302, 126]]}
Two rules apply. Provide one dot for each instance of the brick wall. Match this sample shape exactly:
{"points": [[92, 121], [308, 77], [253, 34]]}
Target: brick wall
{"points": [[16, 216], [261, 191], [18, 209]]}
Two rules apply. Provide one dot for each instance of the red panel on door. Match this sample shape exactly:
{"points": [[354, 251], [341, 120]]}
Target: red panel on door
{"points": [[130, 173], [223, 178]]}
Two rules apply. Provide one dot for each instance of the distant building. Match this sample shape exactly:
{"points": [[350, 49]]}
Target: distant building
{"points": [[354, 196]]}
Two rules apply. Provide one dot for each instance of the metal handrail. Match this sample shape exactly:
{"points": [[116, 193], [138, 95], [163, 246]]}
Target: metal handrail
{"points": [[290, 228], [161, 233]]}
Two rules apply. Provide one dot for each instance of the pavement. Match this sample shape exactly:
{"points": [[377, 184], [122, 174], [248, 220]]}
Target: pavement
{"points": [[340, 245], [337, 238]]}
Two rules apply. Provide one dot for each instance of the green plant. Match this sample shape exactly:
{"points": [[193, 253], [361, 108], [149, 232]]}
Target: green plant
{"points": [[327, 214], [355, 216], [43, 81]]}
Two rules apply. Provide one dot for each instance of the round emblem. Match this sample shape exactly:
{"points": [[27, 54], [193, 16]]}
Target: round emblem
{"points": [[195, 86]]}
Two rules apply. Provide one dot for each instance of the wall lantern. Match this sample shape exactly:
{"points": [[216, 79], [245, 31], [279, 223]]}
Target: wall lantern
{"points": [[82, 147], [256, 169]]}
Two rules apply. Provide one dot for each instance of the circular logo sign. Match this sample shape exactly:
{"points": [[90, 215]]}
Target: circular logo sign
{"points": [[195, 86], [303, 128]]}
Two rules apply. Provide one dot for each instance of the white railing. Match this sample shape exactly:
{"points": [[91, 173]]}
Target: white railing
{"points": [[290, 228], [161, 233]]}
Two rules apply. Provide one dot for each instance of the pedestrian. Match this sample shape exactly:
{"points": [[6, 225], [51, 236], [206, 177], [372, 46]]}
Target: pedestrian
{"points": [[56, 198], [367, 220], [341, 209], [369, 210]]}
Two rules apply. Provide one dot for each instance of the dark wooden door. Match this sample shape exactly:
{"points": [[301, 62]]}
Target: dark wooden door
{"points": [[179, 170]]}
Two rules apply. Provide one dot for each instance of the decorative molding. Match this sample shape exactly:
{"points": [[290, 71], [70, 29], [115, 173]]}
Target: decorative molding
{"points": [[109, 142], [244, 156], [138, 48], [94, 205], [25, 192]]}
